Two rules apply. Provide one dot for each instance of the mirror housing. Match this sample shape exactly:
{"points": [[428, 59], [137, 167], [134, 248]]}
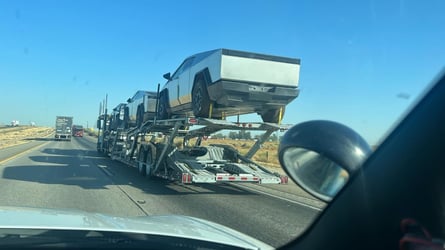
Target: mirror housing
{"points": [[167, 76], [98, 125], [321, 156]]}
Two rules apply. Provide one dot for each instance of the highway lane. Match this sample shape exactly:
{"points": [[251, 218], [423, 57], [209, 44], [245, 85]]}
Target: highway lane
{"points": [[72, 175], [14, 151]]}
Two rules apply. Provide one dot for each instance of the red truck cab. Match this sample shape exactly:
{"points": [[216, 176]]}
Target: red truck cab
{"points": [[77, 130]]}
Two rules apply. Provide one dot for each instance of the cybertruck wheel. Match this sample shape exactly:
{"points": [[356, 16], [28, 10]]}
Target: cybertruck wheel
{"points": [[162, 109], [200, 100], [273, 115], [140, 116]]}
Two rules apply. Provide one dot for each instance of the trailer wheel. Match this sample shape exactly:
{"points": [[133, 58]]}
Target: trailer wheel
{"points": [[141, 165], [149, 165], [200, 100], [150, 160]]}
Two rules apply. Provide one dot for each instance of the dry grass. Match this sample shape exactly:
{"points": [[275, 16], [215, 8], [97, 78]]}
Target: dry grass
{"points": [[267, 155], [19, 135], [91, 132]]}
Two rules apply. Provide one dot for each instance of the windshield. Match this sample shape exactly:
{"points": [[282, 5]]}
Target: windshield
{"points": [[266, 65]]}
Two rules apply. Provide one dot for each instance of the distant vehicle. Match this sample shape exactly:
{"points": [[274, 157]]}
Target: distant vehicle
{"points": [[15, 123], [63, 127], [78, 130], [223, 82]]}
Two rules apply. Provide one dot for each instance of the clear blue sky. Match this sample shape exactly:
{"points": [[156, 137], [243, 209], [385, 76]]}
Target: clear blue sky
{"points": [[362, 62]]}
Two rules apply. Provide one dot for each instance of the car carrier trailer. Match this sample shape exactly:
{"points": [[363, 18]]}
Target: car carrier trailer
{"points": [[151, 148]]}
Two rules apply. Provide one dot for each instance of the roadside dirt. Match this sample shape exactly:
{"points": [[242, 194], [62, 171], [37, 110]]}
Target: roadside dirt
{"points": [[19, 135]]}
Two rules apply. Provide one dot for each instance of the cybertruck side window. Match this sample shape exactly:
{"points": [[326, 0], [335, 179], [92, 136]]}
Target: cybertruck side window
{"points": [[184, 66]]}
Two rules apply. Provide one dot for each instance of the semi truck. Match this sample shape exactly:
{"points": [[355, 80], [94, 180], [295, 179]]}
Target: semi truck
{"points": [[63, 128], [171, 148], [77, 130]]}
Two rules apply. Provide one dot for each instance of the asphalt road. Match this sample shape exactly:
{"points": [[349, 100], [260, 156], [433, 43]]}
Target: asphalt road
{"points": [[55, 174]]}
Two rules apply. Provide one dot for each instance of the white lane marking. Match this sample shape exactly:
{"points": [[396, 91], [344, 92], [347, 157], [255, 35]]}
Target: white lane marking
{"points": [[281, 198], [106, 171]]}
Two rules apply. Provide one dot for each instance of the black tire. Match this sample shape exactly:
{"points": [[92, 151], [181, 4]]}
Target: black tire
{"points": [[200, 100], [141, 165], [163, 107], [150, 161], [272, 115], [126, 117], [140, 116]]}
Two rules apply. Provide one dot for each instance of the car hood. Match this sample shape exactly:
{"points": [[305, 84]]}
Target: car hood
{"points": [[164, 225]]}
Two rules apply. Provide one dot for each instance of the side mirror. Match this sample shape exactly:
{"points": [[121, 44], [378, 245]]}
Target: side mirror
{"points": [[167, 76], [321, 156], [98, 124]]}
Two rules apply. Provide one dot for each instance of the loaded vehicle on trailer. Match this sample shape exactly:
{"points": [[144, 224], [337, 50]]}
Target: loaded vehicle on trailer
{"points": [[140, 107], [152, 150], [78, 130], [63, 128], [222, 82]]}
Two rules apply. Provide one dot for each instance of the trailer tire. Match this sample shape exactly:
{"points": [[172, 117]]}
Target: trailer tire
{"points": [[141, 165], [150, 160]]}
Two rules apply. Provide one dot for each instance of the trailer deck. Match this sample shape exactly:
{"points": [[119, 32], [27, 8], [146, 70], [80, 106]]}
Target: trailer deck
{"points": [[216, 163]]}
